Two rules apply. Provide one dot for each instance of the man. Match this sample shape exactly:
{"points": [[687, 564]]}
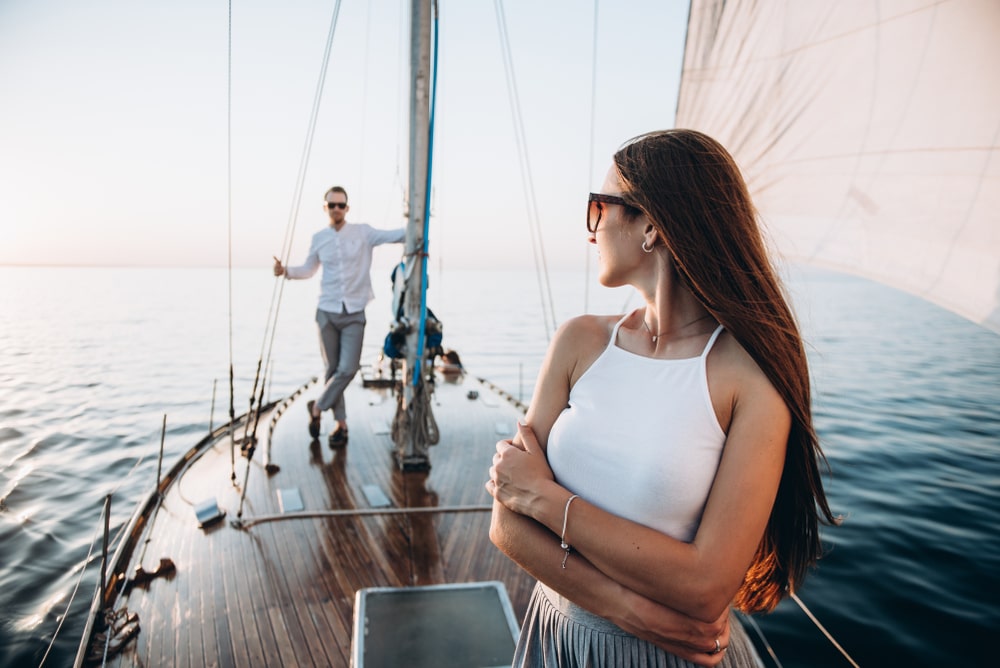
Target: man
{"points": [[345, 252]]}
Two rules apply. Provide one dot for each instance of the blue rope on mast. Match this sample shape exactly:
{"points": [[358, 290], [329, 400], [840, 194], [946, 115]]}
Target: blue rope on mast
{"points": [[422, 332]]}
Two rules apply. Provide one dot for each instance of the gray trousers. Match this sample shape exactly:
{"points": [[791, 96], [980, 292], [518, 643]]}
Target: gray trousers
{"points": [[340, 338]]}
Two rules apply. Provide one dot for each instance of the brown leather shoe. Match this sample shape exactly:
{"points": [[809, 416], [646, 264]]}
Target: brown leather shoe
{"points": [[338, 438], [314, 421]]}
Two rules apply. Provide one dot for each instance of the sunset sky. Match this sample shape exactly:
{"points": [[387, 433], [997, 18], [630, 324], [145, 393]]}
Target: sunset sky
{"points": [[114, 124]]}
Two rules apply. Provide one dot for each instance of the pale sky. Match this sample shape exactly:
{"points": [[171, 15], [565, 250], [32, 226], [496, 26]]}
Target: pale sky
{"points": [[113, 124]]}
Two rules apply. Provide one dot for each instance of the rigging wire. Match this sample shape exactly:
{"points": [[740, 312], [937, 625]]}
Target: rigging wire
{"points": [[72, 596], [270, 329], [86, 562], [263, 362], [822, 629], [590, 159], [229, 239], [297, 195], [83, 570], [541, 268], [765, 645], [272, 316], [400, 113], [364, 95]]}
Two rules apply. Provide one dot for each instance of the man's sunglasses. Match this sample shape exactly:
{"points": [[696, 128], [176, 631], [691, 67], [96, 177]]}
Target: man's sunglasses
{"points": [[594, 208], [336, 205]]}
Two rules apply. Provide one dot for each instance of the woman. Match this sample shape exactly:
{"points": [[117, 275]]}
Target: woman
{"points": [[669, 468]]}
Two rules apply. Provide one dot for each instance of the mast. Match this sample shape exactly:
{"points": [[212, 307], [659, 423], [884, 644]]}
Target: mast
{"points": [[413, 405]]}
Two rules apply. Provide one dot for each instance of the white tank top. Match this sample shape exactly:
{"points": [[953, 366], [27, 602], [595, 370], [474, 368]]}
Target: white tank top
{"points": [[640, 438]]}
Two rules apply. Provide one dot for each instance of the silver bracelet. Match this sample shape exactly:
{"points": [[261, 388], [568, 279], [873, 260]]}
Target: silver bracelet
{"points": [[563, 544]]}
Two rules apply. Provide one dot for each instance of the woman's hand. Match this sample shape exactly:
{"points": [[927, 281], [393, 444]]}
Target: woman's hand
{"points": [[675, 632], [520, 472]]}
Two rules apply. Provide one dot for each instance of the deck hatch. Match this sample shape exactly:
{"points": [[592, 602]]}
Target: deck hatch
{"points": [[375, 496], [460, 625], [208, 512], [290, 500]]}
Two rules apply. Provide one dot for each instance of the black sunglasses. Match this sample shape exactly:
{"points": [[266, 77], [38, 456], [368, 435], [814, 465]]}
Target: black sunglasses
{"points": [[336, 205], [593, 220]]}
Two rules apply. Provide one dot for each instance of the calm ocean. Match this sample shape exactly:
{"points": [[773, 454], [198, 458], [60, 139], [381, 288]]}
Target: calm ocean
{"points": [[906, 403]]}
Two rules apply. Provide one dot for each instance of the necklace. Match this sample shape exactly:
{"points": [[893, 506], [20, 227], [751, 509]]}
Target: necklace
{"points": [[656, 336]]}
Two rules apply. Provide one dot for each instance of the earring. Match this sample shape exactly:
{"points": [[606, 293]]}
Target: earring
{"points": [[648, 250]]}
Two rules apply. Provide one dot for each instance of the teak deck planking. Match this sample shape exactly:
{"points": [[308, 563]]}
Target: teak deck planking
{"points": [[282, 592]]}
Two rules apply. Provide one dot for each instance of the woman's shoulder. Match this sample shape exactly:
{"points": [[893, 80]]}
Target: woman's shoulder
{"points": [[585, 336], [589, 327], [731, 360], [730, 354], [580, 341], [732, 369]]}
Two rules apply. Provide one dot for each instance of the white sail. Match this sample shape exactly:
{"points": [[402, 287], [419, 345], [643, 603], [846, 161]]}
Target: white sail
{"points": [[868, 132]]}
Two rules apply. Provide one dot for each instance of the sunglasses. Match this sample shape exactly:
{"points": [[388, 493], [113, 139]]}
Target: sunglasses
{"points": [[595, 208], [336, 205]]}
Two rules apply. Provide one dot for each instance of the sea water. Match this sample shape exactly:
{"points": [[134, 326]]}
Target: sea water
{"points": [[94, 362]]}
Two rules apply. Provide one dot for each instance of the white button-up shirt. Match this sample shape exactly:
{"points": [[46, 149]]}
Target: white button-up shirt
{"points": [[346, 257]]}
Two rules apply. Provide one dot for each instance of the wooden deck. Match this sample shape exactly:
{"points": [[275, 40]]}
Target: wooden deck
{"points": [[282, 591]]}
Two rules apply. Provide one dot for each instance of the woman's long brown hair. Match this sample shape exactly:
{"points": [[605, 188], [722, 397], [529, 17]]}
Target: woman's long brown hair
{"points": [[689, 186]]}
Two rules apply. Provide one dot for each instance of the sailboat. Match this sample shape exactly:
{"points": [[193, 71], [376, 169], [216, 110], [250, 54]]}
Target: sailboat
{"points": [[378, 554]]}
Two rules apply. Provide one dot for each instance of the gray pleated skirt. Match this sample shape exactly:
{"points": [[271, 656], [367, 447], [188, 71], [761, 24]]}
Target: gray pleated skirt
{"points": [[560, 634]]}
